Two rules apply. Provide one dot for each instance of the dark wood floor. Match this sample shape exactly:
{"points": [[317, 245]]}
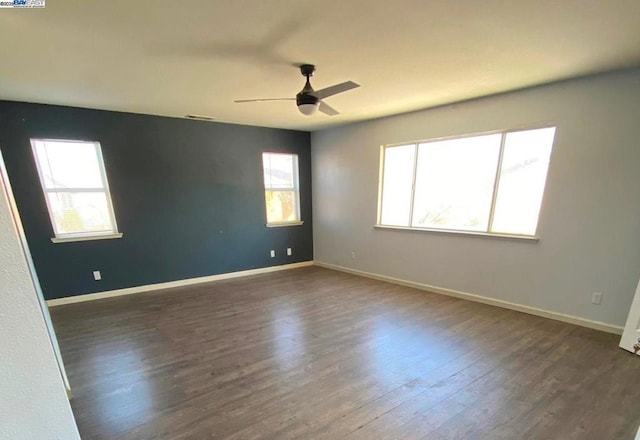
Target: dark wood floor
{"points": [[316, 354]]}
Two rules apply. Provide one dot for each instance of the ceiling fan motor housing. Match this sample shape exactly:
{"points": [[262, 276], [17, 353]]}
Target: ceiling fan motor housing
{"points": [[307, 103], [305, 98]]}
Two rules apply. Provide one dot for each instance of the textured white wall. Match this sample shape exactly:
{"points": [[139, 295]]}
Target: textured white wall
{"points": [[33, 400], [589, 224]]}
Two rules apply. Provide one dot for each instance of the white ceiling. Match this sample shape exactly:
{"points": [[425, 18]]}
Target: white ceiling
{"points": [[197, 56]]}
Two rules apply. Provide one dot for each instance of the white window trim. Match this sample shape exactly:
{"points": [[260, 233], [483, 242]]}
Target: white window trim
{"points": [[92, 236], [295, 188], [460, 232], [534, 237], [87, 235], [282, 224]]}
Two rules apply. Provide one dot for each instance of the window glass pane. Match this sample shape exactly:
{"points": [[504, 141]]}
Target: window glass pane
{"points": [[68, 164], [282, 198], [279, 171], [397, 183], [522, 178], [454, 183], [281, 206], [80, 212]]}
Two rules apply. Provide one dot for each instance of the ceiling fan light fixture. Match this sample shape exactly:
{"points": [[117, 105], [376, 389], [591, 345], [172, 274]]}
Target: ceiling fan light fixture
{"points": [[308, 109]]}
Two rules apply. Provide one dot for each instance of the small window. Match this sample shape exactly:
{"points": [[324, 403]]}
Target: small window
{"points": [[281, 189], [76, 189], [485, 184]]}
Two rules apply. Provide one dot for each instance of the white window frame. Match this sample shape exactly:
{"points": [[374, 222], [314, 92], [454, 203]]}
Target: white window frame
{"points": [[295, 188], [60, 237], [496, 185]]}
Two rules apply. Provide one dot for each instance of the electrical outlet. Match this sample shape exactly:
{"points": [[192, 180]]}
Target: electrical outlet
{"points": [[96, 275], [353, 255], [596, 298], [273, 253], [289, 251]]}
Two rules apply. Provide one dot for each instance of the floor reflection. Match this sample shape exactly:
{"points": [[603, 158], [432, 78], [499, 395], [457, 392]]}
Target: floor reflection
{"points": [[126, 394], [404, 353], [289, 336]]}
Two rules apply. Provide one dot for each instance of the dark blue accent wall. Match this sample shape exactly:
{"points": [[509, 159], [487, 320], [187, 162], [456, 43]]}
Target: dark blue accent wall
{"points": [[188, 197]]}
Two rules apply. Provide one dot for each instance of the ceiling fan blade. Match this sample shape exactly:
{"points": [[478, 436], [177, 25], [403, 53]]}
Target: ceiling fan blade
{"points": [[265, 100], [327, 109], [334, 90]]}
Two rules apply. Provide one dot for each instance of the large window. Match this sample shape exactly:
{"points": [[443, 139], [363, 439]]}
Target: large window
{"points": [[281, 189], [76, 189], [489, 183]]}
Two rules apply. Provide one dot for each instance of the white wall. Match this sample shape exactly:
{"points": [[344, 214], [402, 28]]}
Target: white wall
{"points": [[590, 221], [33, 400]]}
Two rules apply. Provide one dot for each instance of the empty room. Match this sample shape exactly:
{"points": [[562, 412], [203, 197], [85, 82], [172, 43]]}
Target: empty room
{"points": [[319, 220]]}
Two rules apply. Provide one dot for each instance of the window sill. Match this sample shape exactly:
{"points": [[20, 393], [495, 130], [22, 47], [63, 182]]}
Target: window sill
{"points": [[86, 237], [280, 225], [456, 232]]}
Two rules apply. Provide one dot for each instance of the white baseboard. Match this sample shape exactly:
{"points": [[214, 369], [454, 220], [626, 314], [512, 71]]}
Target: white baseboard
{"points": [[170, 284], [597, 325]]}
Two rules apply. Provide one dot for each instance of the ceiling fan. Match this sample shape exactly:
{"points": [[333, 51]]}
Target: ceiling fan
{"points": [[308, 100]]}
